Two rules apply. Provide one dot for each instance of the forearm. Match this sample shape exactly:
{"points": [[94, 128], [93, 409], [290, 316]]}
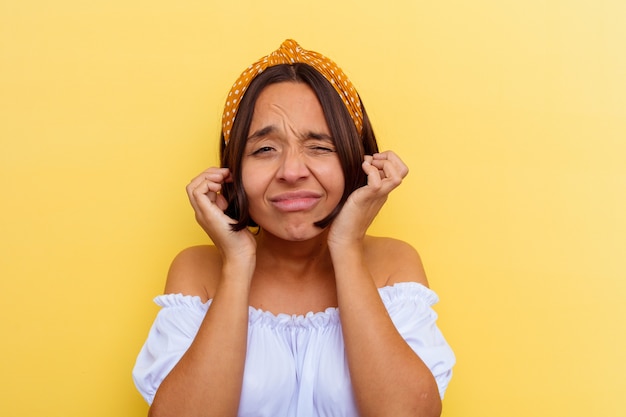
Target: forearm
{"points": [[207, 379], [388, 378]]}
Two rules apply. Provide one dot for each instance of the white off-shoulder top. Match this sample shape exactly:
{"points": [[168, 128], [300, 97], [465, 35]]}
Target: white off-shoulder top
{"points": [[295, 365]]}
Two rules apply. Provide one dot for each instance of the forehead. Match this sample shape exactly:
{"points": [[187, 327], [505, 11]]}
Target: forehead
{"points": [[288, 99]]}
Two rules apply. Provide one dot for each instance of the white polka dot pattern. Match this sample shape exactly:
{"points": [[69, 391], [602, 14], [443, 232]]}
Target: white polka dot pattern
{"points": [[290, 53]]}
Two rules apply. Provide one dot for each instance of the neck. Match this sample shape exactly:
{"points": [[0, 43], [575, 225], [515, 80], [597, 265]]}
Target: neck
{"points": [[301, 257]]}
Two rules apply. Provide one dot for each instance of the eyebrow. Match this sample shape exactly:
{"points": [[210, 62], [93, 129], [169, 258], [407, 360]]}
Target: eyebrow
{"points": [[320, 136], [264, 131]]}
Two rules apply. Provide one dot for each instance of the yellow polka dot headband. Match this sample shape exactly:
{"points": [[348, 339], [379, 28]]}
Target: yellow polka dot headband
{"points": [[290, 53]]}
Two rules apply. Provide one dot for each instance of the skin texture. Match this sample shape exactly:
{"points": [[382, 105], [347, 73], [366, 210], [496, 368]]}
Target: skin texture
{"points": [[292, 177]]}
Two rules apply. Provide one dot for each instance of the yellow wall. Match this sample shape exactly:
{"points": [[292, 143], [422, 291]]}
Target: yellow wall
{"points": [[510, 114]]}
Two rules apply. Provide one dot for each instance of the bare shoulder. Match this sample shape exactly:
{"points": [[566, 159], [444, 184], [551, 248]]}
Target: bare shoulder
{"points": [[391, 261], [194, 271]]}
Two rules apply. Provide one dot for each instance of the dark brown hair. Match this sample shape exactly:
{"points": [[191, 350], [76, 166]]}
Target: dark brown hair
{"points": [[349, 145]]}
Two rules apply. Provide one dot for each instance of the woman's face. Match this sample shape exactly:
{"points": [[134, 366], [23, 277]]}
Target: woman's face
{"points": [[290, 171]]}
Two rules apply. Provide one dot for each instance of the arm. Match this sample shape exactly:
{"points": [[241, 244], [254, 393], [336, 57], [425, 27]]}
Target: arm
{"points": [[207, 380], [388, 377]]}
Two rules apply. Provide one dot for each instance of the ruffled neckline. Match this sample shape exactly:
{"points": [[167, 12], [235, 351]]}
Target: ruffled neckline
{"points": [[389, 294]]}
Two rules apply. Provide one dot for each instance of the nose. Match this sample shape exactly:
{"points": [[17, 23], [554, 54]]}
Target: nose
{"points": [[293, 166]]}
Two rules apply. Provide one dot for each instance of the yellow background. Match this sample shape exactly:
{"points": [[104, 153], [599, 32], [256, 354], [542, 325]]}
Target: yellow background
{"points": [[510, 114]]}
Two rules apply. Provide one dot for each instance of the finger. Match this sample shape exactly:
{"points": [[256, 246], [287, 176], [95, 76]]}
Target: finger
{"points": [[374, 177], [203, 194], [221, 202], [208, 190], [370, 160], [207, 204], [386, 159], [228, 176], [198, 192], [213, 172], [386, 169], [390, 175], [393, 177], [212, 179], [192, 194], [217, 175]]}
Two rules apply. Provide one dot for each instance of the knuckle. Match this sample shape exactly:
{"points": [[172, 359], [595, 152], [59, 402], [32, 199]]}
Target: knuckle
{"points": [[377, 186], [197, 193]]}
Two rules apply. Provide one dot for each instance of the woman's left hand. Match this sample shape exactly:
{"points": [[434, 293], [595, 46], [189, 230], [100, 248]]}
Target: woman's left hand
{"points": [[385, 172]]}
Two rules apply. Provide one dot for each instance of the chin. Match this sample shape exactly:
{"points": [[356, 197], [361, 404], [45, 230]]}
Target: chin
{"points": [[296, 233]]}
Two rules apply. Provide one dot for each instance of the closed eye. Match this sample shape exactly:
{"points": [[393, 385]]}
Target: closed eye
{"points": [[322, 148], [320, 145]]}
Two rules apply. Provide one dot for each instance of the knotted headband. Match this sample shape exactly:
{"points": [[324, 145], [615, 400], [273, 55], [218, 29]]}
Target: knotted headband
{"points": [[290, 53]]}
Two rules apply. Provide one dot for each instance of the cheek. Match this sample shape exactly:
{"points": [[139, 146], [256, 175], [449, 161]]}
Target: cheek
{"points": [[248, 183], [333, 179], [339, 188], [254, 182]]}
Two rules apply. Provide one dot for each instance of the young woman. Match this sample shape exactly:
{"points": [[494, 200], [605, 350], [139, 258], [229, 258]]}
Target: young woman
{"points": [[295, 310]]}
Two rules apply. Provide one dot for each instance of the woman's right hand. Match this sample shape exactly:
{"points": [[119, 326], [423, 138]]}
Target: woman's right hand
{"points": [[204, 193]]}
